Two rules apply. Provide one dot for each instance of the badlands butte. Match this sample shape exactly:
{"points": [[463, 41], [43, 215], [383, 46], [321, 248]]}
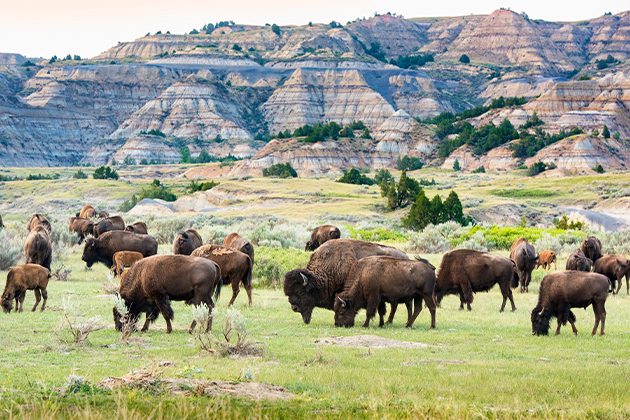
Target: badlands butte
{"points": [[229, 89]]}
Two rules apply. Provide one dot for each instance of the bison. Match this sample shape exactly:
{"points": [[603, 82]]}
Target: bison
{"points": [[37, 247], [545, 259], [138, 227], [87, 212], [236, 241], [577, 261], [327, 272], [322, 234], [125, 259], [37, 220], [465, 271], [615, 268], [103, 248], [236, 267], [108, 224], [559, 292], [20, 279], [186, 242], [524, 256], [82, 227], [592, 248], [152, 283], [380, 279]]}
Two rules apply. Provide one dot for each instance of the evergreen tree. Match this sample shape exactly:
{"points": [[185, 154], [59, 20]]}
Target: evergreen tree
{"points": [[606, 132], [408, 189], [453, 209], [456, 166], [419, 215]]}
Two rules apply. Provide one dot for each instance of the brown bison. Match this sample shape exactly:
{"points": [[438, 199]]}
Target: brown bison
{"points": [[615, 268], [327, 272], [236, 241], [82, 227], [108, 224], [592, 248], [577, 261], [322, 234], [465, 271], [20, 279], [138, 227], [236, 267], [87, 212], [545, 259], [37, 247], [186, 242], [559, 292], [103, 248], [524, 256], [102, 214], [37, 220], [125, 259], [152, 283], [380, 279]]}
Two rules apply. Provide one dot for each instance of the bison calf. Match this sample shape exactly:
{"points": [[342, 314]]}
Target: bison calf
{"points": [[186, 242], [236, 267], [545, 259], [578, 261], [22, 278], [379, 279], [320, 235], [138, 227], [559, 292], [125, 259], [615, 268]]}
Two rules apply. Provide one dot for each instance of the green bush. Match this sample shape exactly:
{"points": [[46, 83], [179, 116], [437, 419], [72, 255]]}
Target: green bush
{"points": [[280, 170], [153, 132], [353, 176], [566, 224], [409, 163], [80, 175], [407, 61], [154, 190], [273, 263], [377, 234], [195, 186], [464, 59], [275, 29], [523, 193], [503, 237], [105, 172], [424, 212], [402, 193], [536, 168], [599, 169]]}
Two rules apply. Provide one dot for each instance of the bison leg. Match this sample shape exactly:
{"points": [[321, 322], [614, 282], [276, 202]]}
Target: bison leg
{"points": [[147, 321], [619, 282], [573, 326], [370, 310], [235, 291], [558, 329], [417, 307], [164, 305], [392, 312], [248, 289], [45, 296], [428, 300], [600, 315], [382, 309], [38, 297], [506, 291]]}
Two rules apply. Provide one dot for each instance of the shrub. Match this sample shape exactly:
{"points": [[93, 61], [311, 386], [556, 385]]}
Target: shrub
{"points": [[80, 175], [353, 176], [502, 237], [407, 61], [377, 234], [280, 170], [154, 132], [409, 163], [105, 172], [523, 193], [456, 166], [195, 186], [599, 169], [275, 29], [164, 230], [79, 327], [11, 249], [382, 176], [479, 170], [476, 241], [536, 168], [272, 264], [464, 59], [236, 47], [435, 238], [424, 212]]}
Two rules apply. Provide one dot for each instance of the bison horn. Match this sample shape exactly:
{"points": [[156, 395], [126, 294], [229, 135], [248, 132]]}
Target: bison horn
{"points": [[343, 302], [305, 279], [541, 311]]}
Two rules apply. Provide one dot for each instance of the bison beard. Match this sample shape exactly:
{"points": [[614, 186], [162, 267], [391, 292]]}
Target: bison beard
{"points": [[299, 285], [541, 319]]}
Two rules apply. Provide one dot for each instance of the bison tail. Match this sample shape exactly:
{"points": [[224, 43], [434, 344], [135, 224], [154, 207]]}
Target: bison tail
{"points": [[217, 290], [248, 275]]}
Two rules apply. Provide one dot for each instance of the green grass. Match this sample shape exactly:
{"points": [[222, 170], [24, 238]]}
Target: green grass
{"points": [[479, 364], [523, 193]]}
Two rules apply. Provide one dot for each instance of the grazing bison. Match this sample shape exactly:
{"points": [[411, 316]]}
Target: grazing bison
{"points": [[236, 241], [20, 279], [87, 212], [37, 220], [108, 224], [186, 242], [380, 279], [138, 227], [152, 283], [327, 272], [37, 247], [236, 267], [82, 227], [465, 271], [559, 292], [125, 259], [577, 261], [615, 268], [592, 248], [545, 259], [103, 248], [524, 256], [322, 234]]}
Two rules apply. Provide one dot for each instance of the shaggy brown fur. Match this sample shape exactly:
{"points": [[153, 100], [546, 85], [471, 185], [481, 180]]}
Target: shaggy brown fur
{"points": [[37, 247], [236, 267], [592, 248], [615, 268], [465, 271], [138, 227], [20, 279], [108, 224], [322, 234], [524, 256], [559, 292], [577, 261], [380, 279], [545, 259], [103, 248], [87, 212], [82, 227], [37, 220], [327, 272], [236, 241], [125, 259], [186, 242], [152, 283]]}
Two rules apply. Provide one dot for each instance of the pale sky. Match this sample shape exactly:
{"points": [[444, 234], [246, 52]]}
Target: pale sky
{"points": [[42, 28]]}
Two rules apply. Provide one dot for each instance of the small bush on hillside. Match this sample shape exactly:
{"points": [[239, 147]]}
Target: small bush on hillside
{"points": [[599, 169], [464, 59], [376, 234], [564, 223], [354, 176], [11, 249], [105, 172], [280, 170], [80, 175], [435, 238], [536, 168], [409, 163], [195, 186], [424, 212], [164, 230]]}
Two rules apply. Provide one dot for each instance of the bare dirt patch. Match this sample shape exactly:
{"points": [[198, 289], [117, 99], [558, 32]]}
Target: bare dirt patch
{"points": [[370, 341], [152, 381]]}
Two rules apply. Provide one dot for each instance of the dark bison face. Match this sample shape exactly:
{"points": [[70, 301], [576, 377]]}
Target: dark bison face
{"points": [[540, 321], [334, 234], [311, 246], [7, 303], [130, 229], [344, 312], [90, 252], [300, 289], [585, 264], [592, 248], [514, 275]]}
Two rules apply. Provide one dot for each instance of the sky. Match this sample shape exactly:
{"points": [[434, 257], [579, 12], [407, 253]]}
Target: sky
{"points": [[42, 28]]}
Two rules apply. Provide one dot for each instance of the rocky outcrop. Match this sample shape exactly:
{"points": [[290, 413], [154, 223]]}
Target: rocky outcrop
{"points": [[610, 35]]}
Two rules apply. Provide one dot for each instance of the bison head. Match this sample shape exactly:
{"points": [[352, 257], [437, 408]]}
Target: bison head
{"points": [[585, 264], [540, 320], [7, 302], [311, 246], [334, 233], [592, 248], [345, 312], [90, 252], [300, 288]]}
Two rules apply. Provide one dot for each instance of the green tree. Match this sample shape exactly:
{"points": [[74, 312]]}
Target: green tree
{"points": [[606, 132], [80, 175], [354, 176], [275, 29], [409, 163], [464, 59], [105, 172], [280, 170], [437, 214], [184, 155], [456, 166], [419, 215], [599, 169], [383, 176], [236, 47], [453, 209]]}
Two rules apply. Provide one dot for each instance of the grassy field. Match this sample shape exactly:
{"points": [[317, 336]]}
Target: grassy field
{"points": [[480, 363]]}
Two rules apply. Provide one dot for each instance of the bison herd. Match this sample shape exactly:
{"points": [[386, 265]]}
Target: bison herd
{"points": [[342, 275]]}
